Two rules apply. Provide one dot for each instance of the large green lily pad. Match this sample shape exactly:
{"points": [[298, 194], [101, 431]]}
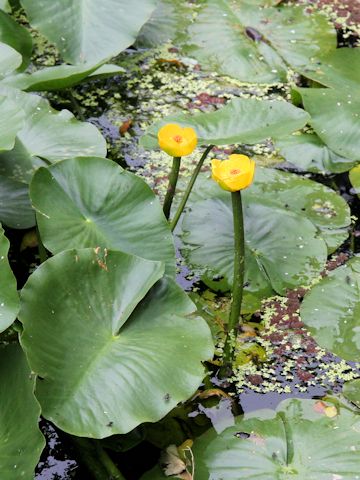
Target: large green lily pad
{"points": [[331, 311], [293, 442], [9, 298], [288, 221], [282, 248], [240, 121], [255, 44], [297, 441], [113, 345], [15, 207], [335, 117], [339, 68], [307, 152], [86, 30], [21, 441], [46, 134], [90, 202], [328, 211]]}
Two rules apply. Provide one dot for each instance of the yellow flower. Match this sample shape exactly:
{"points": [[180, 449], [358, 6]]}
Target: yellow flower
{"points": [[177, 141], [233, 174]]}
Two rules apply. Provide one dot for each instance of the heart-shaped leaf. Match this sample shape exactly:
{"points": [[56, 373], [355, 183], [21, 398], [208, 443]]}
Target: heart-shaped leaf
{"points": [[113, 347], [331, 311], [293, 442], [335, 117], [307, 152], [90, 202], [86, 31], [15, 207], [21, 442], [285, 216], [9, 298], [282, 248], [257, 43], [240, 121], [13, 34], [46, 134]]}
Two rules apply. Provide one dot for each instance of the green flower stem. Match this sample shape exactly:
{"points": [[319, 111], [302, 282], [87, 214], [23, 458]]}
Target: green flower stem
{"points": [[239, 261], [189, 188], [173, 178]]}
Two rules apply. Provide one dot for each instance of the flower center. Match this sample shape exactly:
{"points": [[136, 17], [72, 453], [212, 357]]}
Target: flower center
{"points": [[235, 171], [178, 138]]}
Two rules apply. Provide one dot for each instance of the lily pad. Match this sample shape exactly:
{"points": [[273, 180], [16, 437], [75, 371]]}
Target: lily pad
{"points": [[9, 298], [328, 211], [351, 391], [58, 77], [240, 121], [168, 22], [90, 202], [131, 351], [335, 117], [257, 43], [87, 31], [21, 441], [15, 207], [10, 59], [11, 122], [291, 442], [307, 152], [283, 249], [46, 134], [13, 34], [331, 311], [339, 68], [276, 251]]}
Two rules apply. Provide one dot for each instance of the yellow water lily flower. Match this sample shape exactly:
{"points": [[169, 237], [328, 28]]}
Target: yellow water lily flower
{"points": [[177, 141], [233, 174]]}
